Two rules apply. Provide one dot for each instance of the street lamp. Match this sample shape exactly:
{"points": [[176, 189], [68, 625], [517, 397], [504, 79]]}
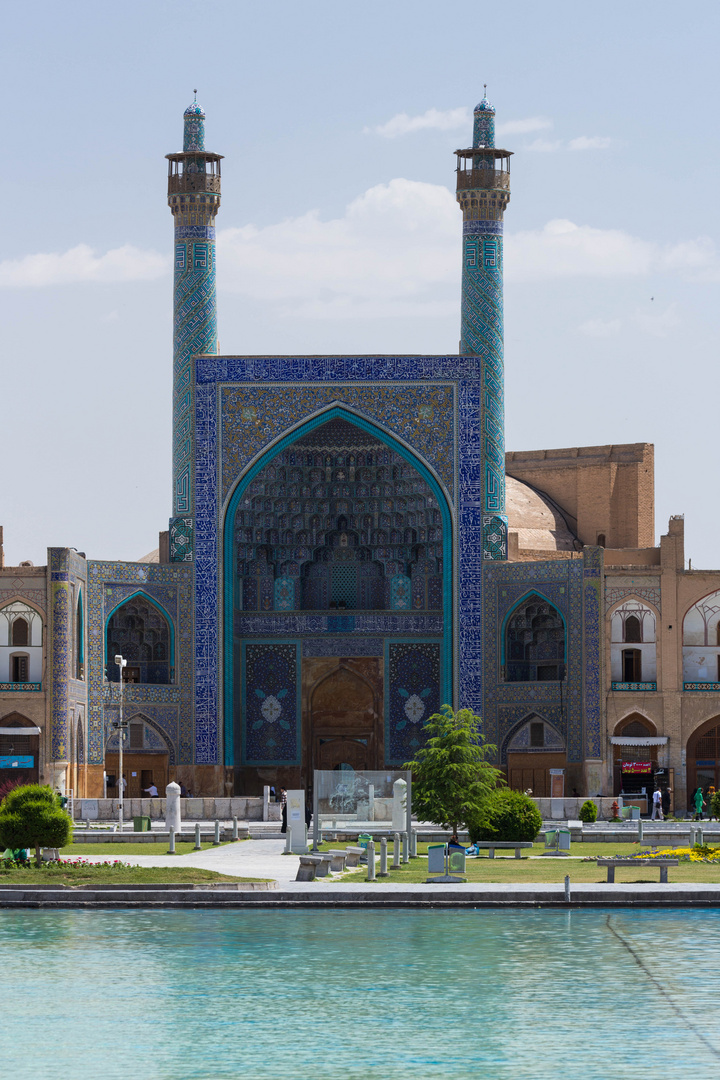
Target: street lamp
{"points": [[121, 663]]}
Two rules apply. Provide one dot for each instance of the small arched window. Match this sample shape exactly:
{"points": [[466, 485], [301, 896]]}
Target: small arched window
{"points": [[135, 630], [20, 632], [601, 540], [633, 629]]}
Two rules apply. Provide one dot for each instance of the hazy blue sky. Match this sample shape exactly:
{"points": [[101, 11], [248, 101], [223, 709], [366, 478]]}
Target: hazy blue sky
{"points": [[338, 231]]}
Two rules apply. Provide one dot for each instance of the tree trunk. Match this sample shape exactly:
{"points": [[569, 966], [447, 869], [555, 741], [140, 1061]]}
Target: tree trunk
{"points": [[38, 857]]}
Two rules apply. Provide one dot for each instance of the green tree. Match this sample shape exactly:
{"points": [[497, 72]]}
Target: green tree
{"points": [[30, 816], [506, 815], [451, 776]]}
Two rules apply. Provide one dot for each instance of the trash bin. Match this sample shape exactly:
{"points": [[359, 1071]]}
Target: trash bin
{"points": [[456, 861], [436, 858], [634, 812], [141, 824], [564, 840], [550, 838], [364, 839]]}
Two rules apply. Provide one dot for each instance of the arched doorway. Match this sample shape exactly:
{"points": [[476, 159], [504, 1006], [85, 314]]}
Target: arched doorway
{"points": [[635, 763], [703, 757], [343, 711], [19, 746]]}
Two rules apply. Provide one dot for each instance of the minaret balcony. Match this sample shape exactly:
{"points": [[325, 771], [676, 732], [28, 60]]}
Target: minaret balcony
{"points": [[181, 183], [467, 179]]}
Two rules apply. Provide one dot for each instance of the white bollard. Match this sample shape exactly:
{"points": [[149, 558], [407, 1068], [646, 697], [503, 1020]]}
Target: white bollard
{"points": [[567, 888], [413, 845], [172, 807], [235, 828], [266, 803], [383, 872], [288, 841], [405, 848], [399, 812], [396, 851], [640, 830], [371, 860], [371, 802], [216, 840], [171, 842], [198, 844]]}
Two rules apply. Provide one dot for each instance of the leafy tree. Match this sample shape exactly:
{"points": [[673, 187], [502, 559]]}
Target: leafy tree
{"points": [[30, 816], [506, 815], [451, 776]]}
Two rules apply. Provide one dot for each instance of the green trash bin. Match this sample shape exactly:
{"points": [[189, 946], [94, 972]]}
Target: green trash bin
{"points": [[141, 824], [363, 840], [551, 838]]}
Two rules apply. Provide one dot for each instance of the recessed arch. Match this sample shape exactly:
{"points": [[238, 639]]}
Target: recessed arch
{"points": [[140, 594], [528, 596], [291, 436]]}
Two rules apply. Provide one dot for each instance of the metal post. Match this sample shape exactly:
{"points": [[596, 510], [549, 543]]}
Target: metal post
{"points": [[405, 848], [567, 888], [198, 845], [216, 841], [413, 844], [171, 842], [640, 830], [316, 815], [371, 860], [396, 851], [288, 840], [121, 663], [235, 828], [383, 872]]}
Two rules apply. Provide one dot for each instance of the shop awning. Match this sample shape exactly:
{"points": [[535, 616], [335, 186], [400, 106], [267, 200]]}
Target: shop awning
{"points": [[639, 740], [20, 731]]}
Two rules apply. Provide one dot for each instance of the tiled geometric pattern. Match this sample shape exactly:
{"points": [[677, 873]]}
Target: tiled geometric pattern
{"points": [[592, 648], [412, 694], [318, 382], [253, 415], [484, 124], [270, 703], [560, 703], [169, 706], [634, 686]]}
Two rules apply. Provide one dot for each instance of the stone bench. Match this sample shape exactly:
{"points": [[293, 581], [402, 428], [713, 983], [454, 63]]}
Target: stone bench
{"points": [[324, 865], [354, 854], [308, 867], [661, 863], [492, 845], [338, 859]]}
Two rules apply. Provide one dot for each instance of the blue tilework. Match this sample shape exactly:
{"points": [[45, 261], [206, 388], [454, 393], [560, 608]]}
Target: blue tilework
{"points": [[412, 694], [270, 711]]}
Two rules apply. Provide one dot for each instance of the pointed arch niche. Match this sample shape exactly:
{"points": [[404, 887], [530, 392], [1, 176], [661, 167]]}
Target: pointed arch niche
{"points": [[532, 748], [334, 528]]}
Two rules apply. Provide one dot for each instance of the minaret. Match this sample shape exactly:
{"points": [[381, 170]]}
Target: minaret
{"points": [[483, 191], [194, 200]]}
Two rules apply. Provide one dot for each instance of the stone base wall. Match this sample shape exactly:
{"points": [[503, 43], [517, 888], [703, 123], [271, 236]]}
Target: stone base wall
{"points": [[246, 809]]}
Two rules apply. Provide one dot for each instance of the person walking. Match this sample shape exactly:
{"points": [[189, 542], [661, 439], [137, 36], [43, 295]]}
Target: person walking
{"points": [[665, 802], [657, 804], [699, 804]]}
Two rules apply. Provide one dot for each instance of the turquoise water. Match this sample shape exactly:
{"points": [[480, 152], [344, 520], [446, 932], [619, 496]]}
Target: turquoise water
{"points": [[567, 995]]}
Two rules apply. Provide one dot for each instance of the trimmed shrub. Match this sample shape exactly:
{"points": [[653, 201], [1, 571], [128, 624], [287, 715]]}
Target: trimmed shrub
{"points": [[715, 805], [506, 815], [30, 816], [588, 811]]}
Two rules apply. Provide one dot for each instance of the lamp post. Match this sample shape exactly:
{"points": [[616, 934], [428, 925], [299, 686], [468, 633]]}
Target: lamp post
{"points": [[121, 663]]}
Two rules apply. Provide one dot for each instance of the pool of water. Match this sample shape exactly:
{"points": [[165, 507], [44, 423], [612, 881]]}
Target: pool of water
{"points": [[567, 995]]}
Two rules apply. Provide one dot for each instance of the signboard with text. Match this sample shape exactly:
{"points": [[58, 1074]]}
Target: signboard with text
{"points": [[25, 762], [637, 766]]}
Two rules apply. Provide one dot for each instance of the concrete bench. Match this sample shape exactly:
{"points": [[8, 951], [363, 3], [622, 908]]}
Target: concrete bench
{"points": [[308, 867], [661, 863], [354, 854], [338, 858], [492, 845], [324, 865]]}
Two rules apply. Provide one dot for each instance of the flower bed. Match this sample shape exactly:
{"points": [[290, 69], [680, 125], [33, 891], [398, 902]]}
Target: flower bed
{"points": [[700, 853]]}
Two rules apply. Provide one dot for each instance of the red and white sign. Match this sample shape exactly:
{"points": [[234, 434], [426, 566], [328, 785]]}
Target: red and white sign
{"points": [[637, 766]]}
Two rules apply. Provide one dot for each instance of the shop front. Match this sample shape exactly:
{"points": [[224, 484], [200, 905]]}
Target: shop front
{"points": [[639, 764]]}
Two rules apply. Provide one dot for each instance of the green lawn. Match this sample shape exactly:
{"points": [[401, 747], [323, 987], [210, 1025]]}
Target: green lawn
{"points": [[86, 851], [506, 868], [56, 874]]}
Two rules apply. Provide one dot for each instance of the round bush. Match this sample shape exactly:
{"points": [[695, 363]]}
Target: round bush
{"points": [[30, 816], [715, 805], [588, 811], [506, 815]]}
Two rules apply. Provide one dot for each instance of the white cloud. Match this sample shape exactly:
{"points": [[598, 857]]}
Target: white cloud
{"points": [[652, 320], [452, 120], [563, 249], [80, 264], [544, 146], [601, 328], [523, 127], [437, 119], [594, 142], [395, 251]]}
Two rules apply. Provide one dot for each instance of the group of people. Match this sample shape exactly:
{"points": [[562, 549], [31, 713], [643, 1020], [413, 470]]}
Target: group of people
{"points": [[660, 803]]}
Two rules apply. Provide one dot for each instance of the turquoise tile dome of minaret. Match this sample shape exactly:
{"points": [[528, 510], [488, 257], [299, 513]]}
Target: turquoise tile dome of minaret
{"points": [[483, 192], [194, 133]]}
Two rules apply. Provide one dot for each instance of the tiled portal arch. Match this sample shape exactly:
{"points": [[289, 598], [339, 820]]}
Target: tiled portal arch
{"points": [[397, 449]]}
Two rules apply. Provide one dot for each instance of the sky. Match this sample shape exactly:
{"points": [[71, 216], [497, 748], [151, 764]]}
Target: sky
{"points": [[338, 231]]}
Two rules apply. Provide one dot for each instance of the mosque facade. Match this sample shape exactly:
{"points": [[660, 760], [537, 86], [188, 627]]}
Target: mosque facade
{"points": [[351, 547]]}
